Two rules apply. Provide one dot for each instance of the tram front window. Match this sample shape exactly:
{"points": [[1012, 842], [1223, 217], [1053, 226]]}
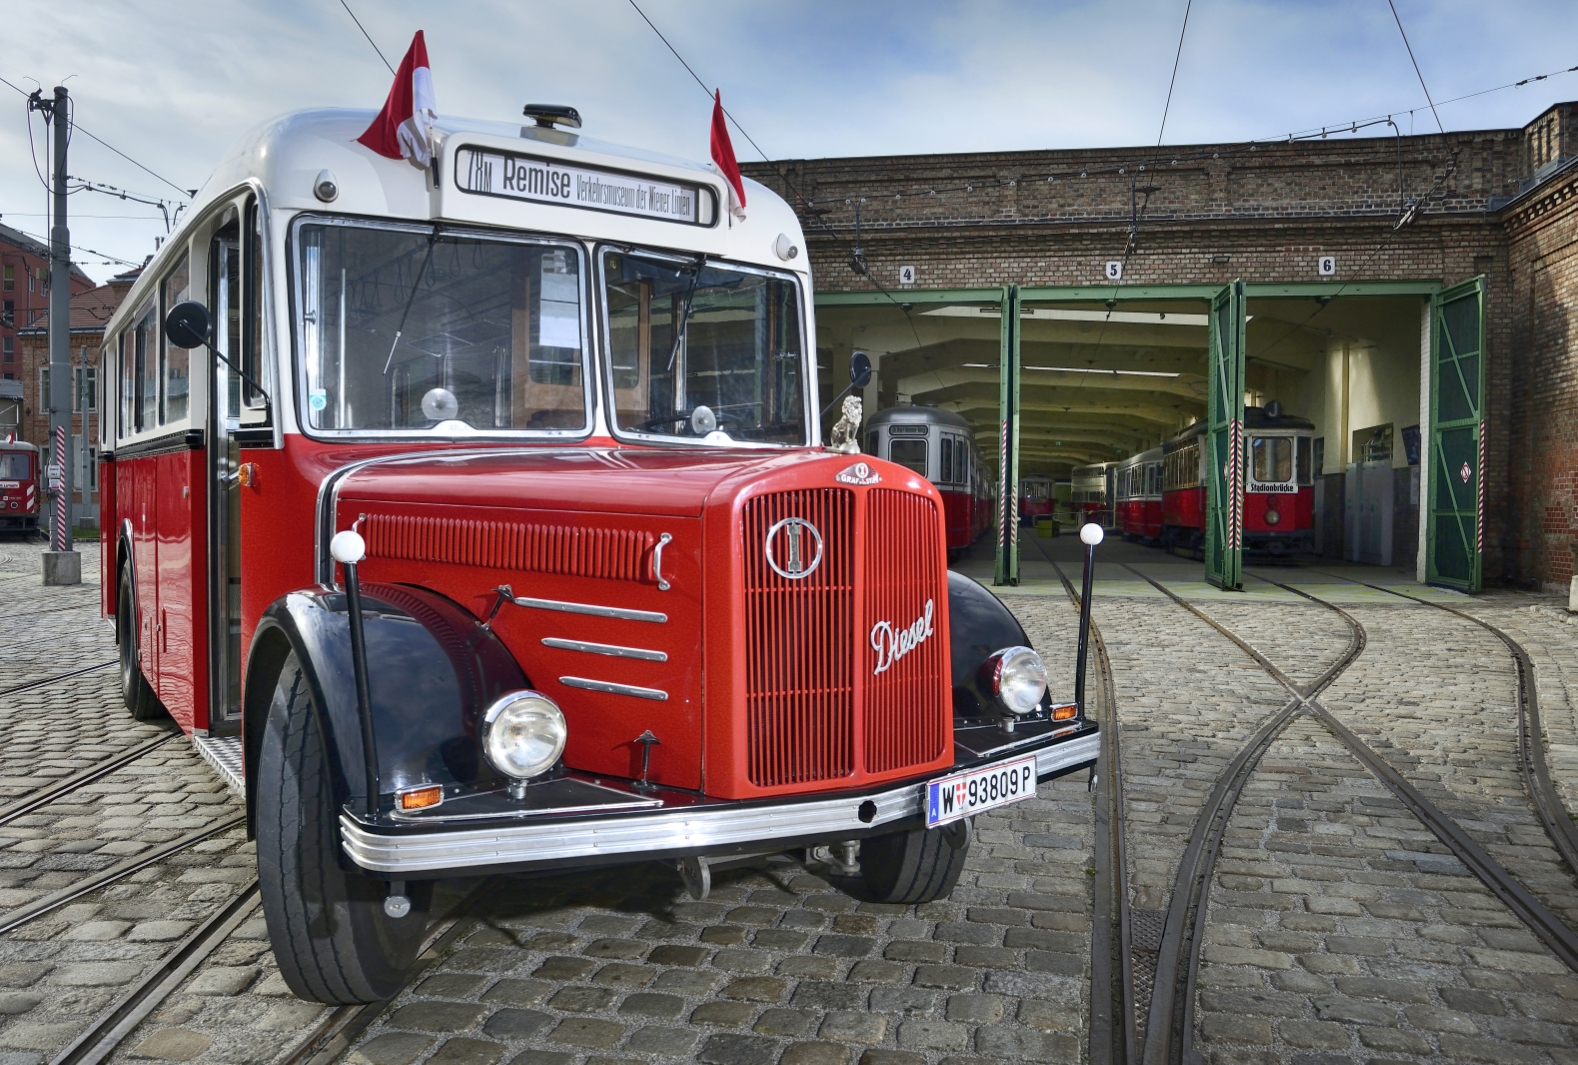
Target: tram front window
{"points": [[404, 329], [1273, 458], [685, 334], [14, 467]]}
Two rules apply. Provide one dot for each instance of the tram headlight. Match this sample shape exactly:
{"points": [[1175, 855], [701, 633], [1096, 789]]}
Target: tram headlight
{"points": [[1019, 679], [1272, 517], [523, 734]]}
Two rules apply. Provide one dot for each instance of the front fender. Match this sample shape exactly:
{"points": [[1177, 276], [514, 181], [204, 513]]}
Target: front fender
{"points": [[432, 671], [979, 625]]}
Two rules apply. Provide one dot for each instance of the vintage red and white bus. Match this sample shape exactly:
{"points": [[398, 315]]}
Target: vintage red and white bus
{"points": [[1036, 498], [940, 446], [19, 496], [1137, 487], [1279, 493], [555, 412]]}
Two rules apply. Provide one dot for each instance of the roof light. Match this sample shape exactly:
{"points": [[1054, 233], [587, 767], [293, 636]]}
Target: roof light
{"points": [[1112, 373]]}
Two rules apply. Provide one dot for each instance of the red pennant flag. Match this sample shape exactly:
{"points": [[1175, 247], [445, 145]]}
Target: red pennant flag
{"points": [[404, 128], [723, 158]]}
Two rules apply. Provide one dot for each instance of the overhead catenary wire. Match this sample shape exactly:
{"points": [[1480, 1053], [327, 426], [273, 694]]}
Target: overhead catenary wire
{"points": [[1177, 56], [369, 36], [1392, 4]]}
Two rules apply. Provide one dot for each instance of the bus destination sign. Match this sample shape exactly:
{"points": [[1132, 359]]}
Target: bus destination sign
{"points": [[539, 180]]}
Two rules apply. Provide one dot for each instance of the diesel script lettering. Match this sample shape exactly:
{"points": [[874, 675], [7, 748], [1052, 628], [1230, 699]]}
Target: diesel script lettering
{"points": [[524, 177], [892, 644]]}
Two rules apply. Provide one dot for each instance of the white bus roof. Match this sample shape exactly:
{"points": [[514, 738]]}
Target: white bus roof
{"points": [[286, 156]]}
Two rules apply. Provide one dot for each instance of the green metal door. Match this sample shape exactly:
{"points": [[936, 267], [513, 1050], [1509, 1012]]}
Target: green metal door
{"points": [[1007, 568], [1224, 440], [1455, 535]]}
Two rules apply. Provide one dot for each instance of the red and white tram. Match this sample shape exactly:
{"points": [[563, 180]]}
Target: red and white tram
{"points": [[474, 518], [19, 495], [940, 446], [1137, 486], [1091, 493], [1036, 498], [1279, 492]]}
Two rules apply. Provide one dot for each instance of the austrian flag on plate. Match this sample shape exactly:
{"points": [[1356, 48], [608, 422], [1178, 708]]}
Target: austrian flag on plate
{"points": [[404, 128]]}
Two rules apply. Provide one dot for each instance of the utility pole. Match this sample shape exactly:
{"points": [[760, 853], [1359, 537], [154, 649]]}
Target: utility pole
{"points": [[62, 564]]}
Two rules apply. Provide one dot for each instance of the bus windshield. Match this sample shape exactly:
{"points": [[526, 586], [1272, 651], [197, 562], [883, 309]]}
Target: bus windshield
{"points": [[415, 329], [684, 334]]}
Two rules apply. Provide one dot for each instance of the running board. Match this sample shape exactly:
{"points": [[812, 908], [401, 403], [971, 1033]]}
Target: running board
{"points": [[224, 754]]}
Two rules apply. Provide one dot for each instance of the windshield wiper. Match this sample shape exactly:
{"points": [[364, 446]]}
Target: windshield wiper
{"points": [[684, 311], [432, 239]]}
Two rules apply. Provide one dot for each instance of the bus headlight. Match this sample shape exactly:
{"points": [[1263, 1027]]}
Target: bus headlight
{"points": [[523, 734], [1019, 679]]}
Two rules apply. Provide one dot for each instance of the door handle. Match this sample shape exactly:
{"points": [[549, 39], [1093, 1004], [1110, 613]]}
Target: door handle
{"points": [[657, 561]]}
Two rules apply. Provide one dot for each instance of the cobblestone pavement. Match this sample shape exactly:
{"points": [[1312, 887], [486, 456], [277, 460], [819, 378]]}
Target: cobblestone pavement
{"points": [[1337, 929]]}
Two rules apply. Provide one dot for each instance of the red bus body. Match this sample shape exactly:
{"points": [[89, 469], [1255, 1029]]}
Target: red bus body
{"points": [[19, 494]]}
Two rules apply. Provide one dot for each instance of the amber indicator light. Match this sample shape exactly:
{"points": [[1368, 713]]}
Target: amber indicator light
{"points": [[247, 474], [420, 798], [1065, 712]]}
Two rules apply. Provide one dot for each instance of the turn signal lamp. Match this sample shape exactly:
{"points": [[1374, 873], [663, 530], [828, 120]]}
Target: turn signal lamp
{"points": [[1066, 712], [420, 798]]}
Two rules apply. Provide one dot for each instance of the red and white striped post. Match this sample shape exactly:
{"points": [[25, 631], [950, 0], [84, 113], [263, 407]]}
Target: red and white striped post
{"points": [[59, 537]]}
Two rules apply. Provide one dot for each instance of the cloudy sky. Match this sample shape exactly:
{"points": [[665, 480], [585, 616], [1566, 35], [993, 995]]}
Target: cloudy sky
{"points": [[172, 83]]}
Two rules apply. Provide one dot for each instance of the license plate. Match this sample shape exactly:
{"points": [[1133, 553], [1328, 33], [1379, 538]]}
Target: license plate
{"points": [[969, 793]]}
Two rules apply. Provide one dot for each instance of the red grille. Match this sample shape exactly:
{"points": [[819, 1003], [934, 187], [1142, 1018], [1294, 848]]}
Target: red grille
{"points": [[616, 554], [808, 640], [903, 723], [799, 635]]}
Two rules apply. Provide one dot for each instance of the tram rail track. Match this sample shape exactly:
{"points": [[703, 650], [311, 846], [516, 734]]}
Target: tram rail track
{"points": [[56, 679], [1112, 1032], [1170, 1043]]}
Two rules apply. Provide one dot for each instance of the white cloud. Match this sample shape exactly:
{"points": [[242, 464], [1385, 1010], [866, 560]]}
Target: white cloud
{"points": [[174, 83]]}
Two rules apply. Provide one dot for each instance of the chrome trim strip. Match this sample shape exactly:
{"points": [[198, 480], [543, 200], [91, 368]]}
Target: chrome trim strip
{"points": [[684, 829], [611, 688], [591, 608], [605, 649]]}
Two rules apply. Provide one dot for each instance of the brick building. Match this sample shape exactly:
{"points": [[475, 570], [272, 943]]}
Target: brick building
{"points": [[1342, 243], [91, 310]]}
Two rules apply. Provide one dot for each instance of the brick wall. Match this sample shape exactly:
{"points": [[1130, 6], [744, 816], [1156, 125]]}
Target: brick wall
{"points": [[1543, 253]]}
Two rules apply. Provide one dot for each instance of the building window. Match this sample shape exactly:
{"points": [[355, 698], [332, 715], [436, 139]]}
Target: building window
{"points": [[87, 393], [10, 278], [9, 345], [9, 315]]}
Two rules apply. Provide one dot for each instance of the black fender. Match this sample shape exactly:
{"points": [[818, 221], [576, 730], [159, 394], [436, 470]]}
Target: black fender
{"points": [[432, 671], [979, 625]]}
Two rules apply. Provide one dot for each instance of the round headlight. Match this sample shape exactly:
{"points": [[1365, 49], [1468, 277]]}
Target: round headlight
{"points": [[1272, 517], [1019, 679], [523, 734]]}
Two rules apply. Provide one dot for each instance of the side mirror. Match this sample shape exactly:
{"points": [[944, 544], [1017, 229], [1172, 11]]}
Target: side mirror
{"points": [[187, 325], [859, 368]]}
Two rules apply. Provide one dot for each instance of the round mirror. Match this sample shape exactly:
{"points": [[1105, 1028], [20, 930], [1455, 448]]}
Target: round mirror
{"points": [[860, 369], [702, 420], [440, 404], [187, 325]]}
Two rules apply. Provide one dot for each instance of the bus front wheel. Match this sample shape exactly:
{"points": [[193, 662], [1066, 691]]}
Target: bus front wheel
{"points": [[327, 924], [921, 865], [136, 692]]}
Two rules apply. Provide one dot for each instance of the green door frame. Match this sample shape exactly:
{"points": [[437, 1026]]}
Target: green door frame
{"points": [[1006, 567], [1455, 529], [1224, 439]]}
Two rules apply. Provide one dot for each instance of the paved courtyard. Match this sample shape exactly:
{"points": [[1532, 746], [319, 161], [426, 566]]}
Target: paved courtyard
{"points": [[1338, 927]]}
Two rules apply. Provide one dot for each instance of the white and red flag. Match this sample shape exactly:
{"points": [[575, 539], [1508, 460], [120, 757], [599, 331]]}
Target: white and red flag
{"points": [[723, 158], [404, 128]]}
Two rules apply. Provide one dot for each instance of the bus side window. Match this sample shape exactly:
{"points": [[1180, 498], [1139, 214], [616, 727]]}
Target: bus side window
{"points": [[224, 275], [145, 369], [175, 363], [252, 306]]}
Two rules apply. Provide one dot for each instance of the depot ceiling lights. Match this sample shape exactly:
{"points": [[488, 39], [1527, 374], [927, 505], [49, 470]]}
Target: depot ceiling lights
{"points": [[1109, 373]]}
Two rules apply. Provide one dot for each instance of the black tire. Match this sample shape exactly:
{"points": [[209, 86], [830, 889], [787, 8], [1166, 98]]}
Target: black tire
{"points": [[922, 865], [327, 925], [136, 692]]}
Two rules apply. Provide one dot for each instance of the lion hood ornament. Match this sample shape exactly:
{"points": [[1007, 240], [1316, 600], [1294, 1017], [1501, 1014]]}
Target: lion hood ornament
{"points": [[845, 435]]}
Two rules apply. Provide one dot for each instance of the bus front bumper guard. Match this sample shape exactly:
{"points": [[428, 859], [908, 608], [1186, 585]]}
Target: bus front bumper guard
{"points": [[645, 835]]}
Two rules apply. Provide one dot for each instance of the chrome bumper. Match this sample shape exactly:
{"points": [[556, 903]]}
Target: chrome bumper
{"points": [[653, 834]]}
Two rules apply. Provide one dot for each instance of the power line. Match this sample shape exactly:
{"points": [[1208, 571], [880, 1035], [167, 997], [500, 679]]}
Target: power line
{"points": [[78, 129], [1168, 106], [369, 36], [1415, 62]]}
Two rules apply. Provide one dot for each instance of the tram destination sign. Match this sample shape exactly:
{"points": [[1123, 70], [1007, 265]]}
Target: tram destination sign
{"points": [[540, 180]]}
